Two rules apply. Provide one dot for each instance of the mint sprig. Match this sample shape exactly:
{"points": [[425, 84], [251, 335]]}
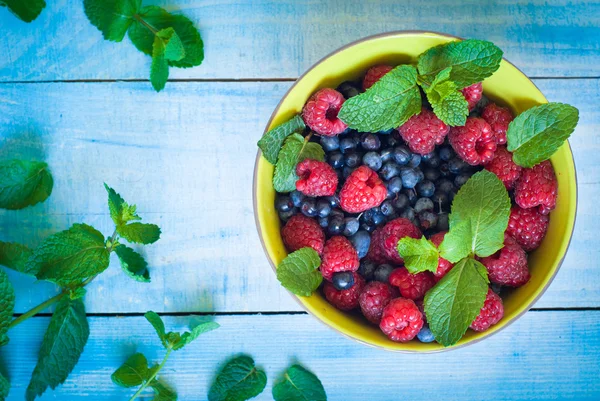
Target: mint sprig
{"points": [[299, 384], [24, 183], [299, 273], [239, 380], [272, 140], [166, 47], [7, 306], [25, 10], [448, 103], [419, 254], [15, 256], [295, 149]]}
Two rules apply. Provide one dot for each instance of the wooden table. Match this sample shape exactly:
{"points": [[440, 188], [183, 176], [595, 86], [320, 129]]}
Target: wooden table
{"points": [[186, 156]]}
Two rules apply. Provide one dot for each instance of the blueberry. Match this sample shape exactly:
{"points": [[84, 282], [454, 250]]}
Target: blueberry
{"points": [[446, 153], [431, 159], [323, 207], [368, 227], [432, 174], [367, 216], [440, 198], [394, 185], [324, 222], [285, 216], [370, 142], [333, 200], [336, 225], [428, 219], [389, 171], [283, 203], [297, 197], [346, 171], [457, 166], [367, 269], [378, 218], [386, 155], [330, 143], [425, 335], [393, 139], [351, 226], [372, 160], [402, 155], [497, 288], [309, 207], [387, 208], [401, 201], [415, 160], [335, 159], [425, 188], [461, 179], [361, 241], [337, 213], [443, 224], [355, 137], [348, 89], [342, 280], [444, 170], [445, 185], [424, 204], [352, 159], [410, 177], [382, 273], [412, 195], [408, 213], [347, 144]]}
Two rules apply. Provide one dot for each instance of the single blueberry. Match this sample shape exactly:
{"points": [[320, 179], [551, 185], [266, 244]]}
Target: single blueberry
{"points": [[387, 208], [337, 213], [497, 288], [394, 185], [402, 155], [342, 280], [408, 213], [412, 195], [425, 188], [382, 273], [461, 179], [352, 159], [346, 171], [361, 241], [349, 89], [440, 198], [351, 226], [410, 177], [333, 200], [309, 207], [324, 222], [367, 269], [446, 153], [370, 142], [457, 166], [335, 159], [444, 170], [283, 203], [428, 219], [386, 155], [323, 208], [389, 171], [378, 218], [443, 224], [401, 201], [445, 185], [367, 216], [423, 204], [355, 137], [297, 197], [372, 160], [415, 160], [425, 335], [391, 217], [420, 175], [432, 174], [368, 227], [285, 216], [330, 143], [336, 225], [393, 139], [347, 144], [432, 160]]}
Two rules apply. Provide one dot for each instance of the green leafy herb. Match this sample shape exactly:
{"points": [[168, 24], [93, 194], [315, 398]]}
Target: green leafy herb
{"points": [[154, 319], [448, 103], [76, 293], [176, 341], [389, 103], [299, 384], [239, 380], [61, 348], [167, 47], [299, 273], [4, 387], [120, 211], [25, 10], [140, 233], [271, 141], [455, 301], [295, 149], [534, 135], [24, 183], [112, 17], [133, 263], [419, 254], [162, 392], [15, 256], [7, 306], [133, 372]]}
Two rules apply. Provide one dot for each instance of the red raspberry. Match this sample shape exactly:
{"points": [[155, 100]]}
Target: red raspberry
{"points": [[375, 296], [344, 299], [316, 178], [338, 256], [473, 94], [527, 226], [321, 110], [537, 186], [301, 231], [374, 74], [444, 266], [391, 234], [491, 312], [474, 142], [423, 131], [504, 167], [412, 286], [498, 118], [362, 190], [509, 265], [401, 320], [376, 252]]}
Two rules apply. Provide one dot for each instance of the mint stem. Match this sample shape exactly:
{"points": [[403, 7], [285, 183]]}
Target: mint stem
{"points": [[36, 310], [147, 25], [143, 387]]}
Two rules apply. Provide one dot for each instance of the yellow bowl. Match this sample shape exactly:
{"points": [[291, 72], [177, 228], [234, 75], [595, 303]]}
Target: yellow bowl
{"points": [[509, 86]]}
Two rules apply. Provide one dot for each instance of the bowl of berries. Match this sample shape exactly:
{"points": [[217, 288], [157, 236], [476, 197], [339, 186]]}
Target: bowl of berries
{"points": [[416, 192]]}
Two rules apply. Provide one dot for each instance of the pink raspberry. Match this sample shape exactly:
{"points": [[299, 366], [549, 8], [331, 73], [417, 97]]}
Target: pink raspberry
{"points": [[498, 118], [316, 178], [338, 256], [504, 167], [320, 113], [344, 299], [392, 232], [509, 265], [527, 226], [423, 131], [401, 320], [412, 286], [444, 266], [375, 296], [376, 252], [474, 142], [362, 190], [300, 232], [491, 312], [473, 94], [537, 186], [374, 74]]}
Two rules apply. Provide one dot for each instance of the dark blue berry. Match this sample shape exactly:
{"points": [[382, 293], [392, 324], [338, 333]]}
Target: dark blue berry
{"points": [[387, 208], [425, 335], [428, 219], [457, 166], [389, 171], [348, 89], [401, 201], [443, 224], [346, 171], [370, 142], [415, 160], [382, 273], [285, 216], [394, 185], [347, 144], [352, 159], [337, 213], [323, 208], [408, 213], [497, 288], [446, 153], [368, 227], [297, 197], [445, 185], [361, 241], [431, 159], [440, 198], [367, 216], [342, 280], [410, 177], [444, 170], [351, 226], [355, 137], [330, 143], [402, 155], [333, 200], [461, 179], [378, 218], [412, 195], [432, 174], [336, 225], [386, 155], [425, 188], [284, 203], [335, 159], [423, 204], [393, 140], [372, 160], [367, 269], [324, 222], [309, 207]]}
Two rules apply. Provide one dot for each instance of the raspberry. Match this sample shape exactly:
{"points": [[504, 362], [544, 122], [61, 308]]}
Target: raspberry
{"points": [[527, 226], [338, 256], [509, 265], [401, 320], [376, 252], [374, 74], [473, 94], [491, 312], [412, 286], [423, 131], [374, 297], [321, 110], [316, 178], [391, 234], [444, 266], [344, 299], [537, 186], [504, 167], [474, 142], [498, 118], [362, 190], [301, 231]]}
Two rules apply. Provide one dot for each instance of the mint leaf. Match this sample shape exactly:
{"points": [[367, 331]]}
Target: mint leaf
{"points": [[140, 233], [24, 183], [158, 325], [389, 103], [272, 140], [455, 301], [482, 201], [299, 384], [133, 264], [133, 372], [77, 293], [25, 10], [62, 346], [69, 257], [419, 254], [299, 272], [120, 211], [167, 46], [112, 17], [295, 150], [239, 380], [534, 135], [158, 18], [15, 256], [448, 103], [4, 387], [7, 306], [471, 60], [162, 392], [188, 337]]}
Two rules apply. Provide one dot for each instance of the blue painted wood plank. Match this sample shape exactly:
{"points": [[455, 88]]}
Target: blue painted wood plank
{"points": [[267, 39], [543, 356]]}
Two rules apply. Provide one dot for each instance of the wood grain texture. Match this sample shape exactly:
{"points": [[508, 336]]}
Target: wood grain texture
{"points": [[186, 157], [274, 39]]}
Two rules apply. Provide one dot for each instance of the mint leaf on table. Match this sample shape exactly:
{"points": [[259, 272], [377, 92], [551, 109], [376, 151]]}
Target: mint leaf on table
{"points": [[4, 387], [166, 47], [24, 183], [199, 329], [7, 306], [448, 103], [25, 10], [299, 384], [15, 256], [112, 17], [272, 140], [419, 254], [133, 263], [295, 149], [120, 211], [299, 272], [239, 380], [389, 103], [162, 392], [471, 60], [482, 201], [61, 348], [140, 233], [158, 18], [177, 341], [69, 257], [534, 135], [133, 372], [456, 300], [154, 319]]}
